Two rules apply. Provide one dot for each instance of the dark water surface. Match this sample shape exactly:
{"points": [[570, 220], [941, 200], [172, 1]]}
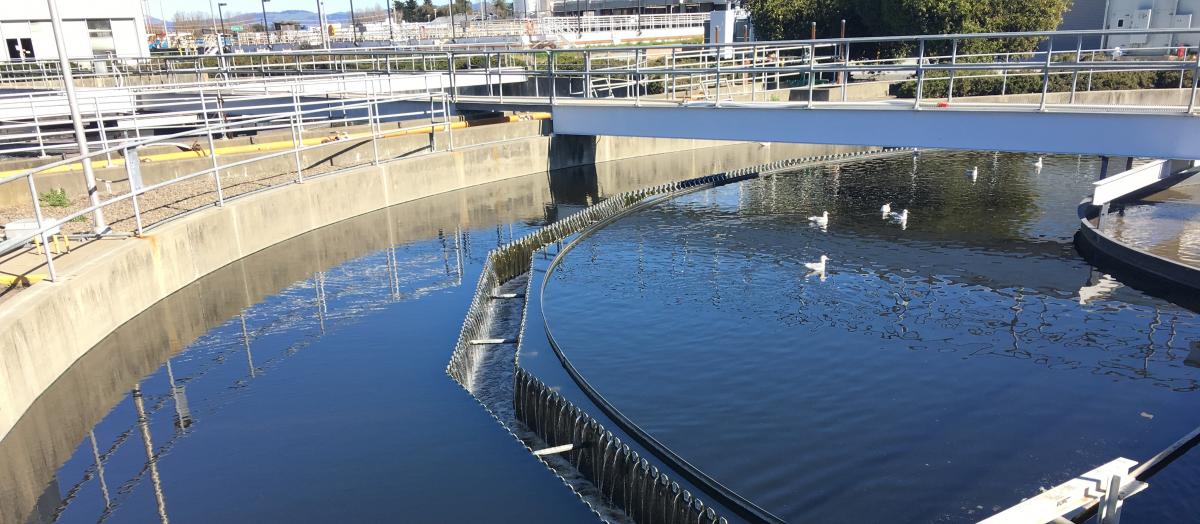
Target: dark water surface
{"points": [[315, 391], [306, 383], [939, 372]]}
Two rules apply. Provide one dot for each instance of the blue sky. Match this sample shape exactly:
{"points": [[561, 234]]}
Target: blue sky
{"points": [[169, 7]]}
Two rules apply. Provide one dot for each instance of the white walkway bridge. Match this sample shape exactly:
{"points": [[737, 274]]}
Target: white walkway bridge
{"points": [[970, 91]]}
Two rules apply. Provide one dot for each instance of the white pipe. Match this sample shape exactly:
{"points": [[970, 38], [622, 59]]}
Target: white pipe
{"points": [[89, 177]]}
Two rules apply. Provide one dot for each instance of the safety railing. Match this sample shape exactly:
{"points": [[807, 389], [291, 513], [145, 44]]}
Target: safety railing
{"points": [[527, 27], [291, 159], [916, 72], [39, 122]]}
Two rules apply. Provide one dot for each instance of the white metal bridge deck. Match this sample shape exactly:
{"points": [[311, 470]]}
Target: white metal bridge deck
{"points": [[931, 91]]}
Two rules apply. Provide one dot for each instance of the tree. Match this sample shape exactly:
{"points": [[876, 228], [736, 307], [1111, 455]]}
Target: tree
{"points": [[193, 22], [501, 9], [791, 19], [407, 10], [463, 7], [427, 11]]}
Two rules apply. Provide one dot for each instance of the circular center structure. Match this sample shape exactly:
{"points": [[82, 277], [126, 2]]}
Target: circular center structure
{"points": [[941, 369]]}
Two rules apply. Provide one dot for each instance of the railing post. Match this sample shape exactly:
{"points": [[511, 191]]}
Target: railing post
{"points": [[550, 74], [673, 73], [812, 73], [753, 76], [1091, 70], [450, 68], [1195, 79], [587, 74], [37, 213], [717, 102], [297, 137], [487, 71], [845, 64], [1004, 76], [449, 127], [1075, 74], [920, 73], [37, 126], [134, 176], [373, 120], [1046, 73], [953, 61], [103, 133]]}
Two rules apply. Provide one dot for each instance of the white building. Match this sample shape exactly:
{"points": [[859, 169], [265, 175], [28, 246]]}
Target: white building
{"points": [[1153, 14], [92, 28]]}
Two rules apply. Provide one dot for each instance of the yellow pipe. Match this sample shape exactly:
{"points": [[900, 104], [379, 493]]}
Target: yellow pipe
{"points": [[287, 144], [21, 280]]}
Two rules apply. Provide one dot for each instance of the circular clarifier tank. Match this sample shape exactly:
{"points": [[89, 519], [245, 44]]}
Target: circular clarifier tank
{"points": [[942, 368]]}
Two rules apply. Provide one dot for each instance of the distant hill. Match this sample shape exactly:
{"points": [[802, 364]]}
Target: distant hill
{"points": [[299, 16]]}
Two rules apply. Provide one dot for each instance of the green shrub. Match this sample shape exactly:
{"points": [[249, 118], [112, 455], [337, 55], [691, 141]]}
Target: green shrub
{"points": [[55, 198]]}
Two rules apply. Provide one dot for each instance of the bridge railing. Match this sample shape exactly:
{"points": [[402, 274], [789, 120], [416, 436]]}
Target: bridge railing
{"points": [[920, 72]]}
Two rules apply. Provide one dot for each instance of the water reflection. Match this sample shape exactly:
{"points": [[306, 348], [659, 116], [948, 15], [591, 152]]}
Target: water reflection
{"points": [[944, 371], [263, 390]]}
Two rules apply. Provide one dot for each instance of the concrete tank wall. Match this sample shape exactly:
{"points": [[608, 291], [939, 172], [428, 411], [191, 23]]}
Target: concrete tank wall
{"points": [[49, 326]]}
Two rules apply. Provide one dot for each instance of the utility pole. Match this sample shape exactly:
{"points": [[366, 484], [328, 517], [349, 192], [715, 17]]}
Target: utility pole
{"points": [[324, 26], [391, 19], [266, 29], [89, 177], [353, 25], [453, 34]]}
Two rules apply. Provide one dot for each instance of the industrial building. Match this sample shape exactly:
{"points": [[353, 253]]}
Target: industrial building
{"points": [[1152, 14], [90, 29]]}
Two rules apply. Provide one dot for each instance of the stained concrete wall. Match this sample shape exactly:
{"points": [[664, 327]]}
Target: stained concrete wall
{"points": [[340, 153], [51, 429], [49, 326]]}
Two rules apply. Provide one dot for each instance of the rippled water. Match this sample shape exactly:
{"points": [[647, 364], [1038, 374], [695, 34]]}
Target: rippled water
{"points": [[306, 382], [1166, 223], [939, 372]]}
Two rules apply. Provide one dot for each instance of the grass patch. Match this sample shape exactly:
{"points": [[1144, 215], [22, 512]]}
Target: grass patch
{"points": [[55, 198]]}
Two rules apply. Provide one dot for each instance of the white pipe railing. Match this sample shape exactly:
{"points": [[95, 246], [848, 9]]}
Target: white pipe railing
{"points": [[296, 117]]}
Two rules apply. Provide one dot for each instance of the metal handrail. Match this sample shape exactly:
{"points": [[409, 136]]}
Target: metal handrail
{"points": [[46, 227]]}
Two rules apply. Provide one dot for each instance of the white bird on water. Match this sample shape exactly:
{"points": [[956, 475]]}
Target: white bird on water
{"points": [[1038, 164], [901, 218], [973, 174], [817, 267], [887, 208], [822, 220]]}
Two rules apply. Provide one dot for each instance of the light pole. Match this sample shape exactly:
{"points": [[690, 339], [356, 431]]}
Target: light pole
{"points": [[89, 177], [391, 30], [353, 25], [221, 14], [266, 29], [324, 26], [453, 34]]}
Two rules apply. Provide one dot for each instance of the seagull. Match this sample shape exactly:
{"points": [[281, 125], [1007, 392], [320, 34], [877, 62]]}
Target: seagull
{"points": [[822, 220], [817, 267], [973, 174], [1038, 164], [901, 218], [887, 208]]}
